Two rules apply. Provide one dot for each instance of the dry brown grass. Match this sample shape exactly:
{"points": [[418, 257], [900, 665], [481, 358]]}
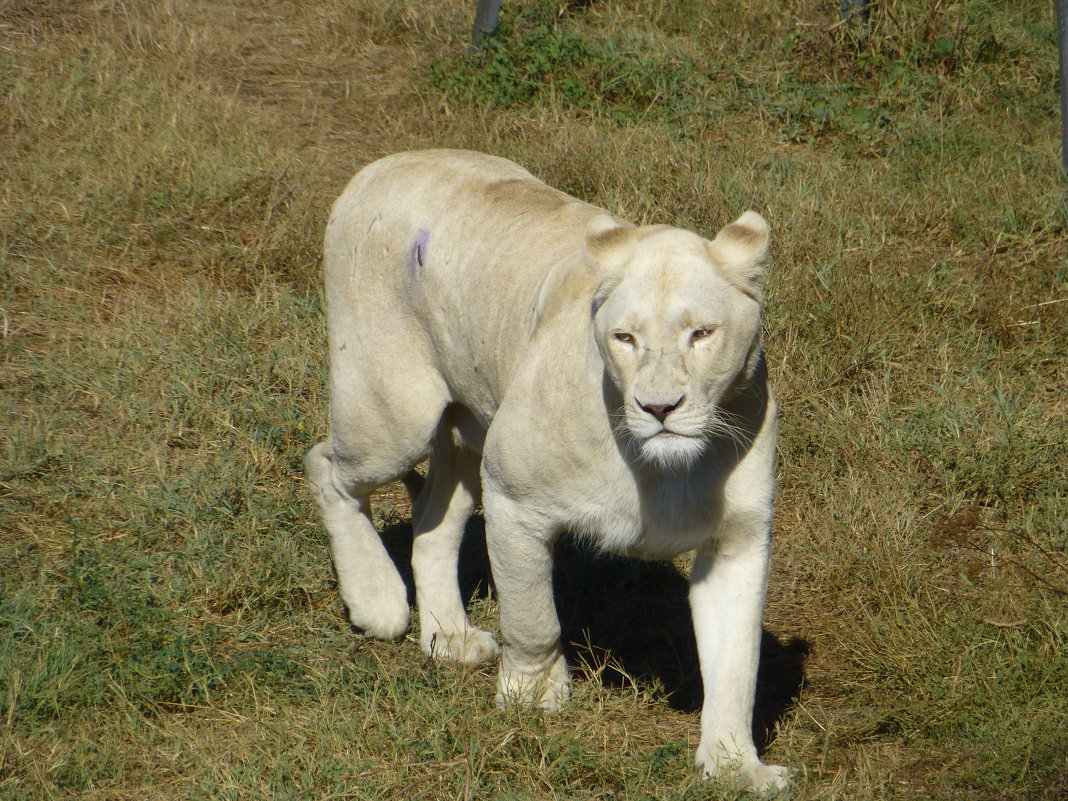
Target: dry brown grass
{"points": [[168, 623]]}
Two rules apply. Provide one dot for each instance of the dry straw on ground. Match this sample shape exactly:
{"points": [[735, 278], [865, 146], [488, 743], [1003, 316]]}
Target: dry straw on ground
{"points": [[169, 627]]}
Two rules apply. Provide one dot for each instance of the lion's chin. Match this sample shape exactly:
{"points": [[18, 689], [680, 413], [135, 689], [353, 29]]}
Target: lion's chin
{"points": [[671, 451]]}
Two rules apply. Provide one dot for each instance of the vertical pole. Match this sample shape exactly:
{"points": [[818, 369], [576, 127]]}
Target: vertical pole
{"points": [[1062, 40], [485, 21], [855, 8]]}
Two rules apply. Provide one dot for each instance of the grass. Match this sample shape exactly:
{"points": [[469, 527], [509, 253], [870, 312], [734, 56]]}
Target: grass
{"points": [[169, 625]]}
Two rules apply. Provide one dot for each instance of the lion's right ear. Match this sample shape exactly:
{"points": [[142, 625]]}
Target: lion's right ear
{"points": [[609, 243]]}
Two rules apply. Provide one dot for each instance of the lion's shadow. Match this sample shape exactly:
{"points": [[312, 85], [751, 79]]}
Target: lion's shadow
{"points": [[628, 619]]}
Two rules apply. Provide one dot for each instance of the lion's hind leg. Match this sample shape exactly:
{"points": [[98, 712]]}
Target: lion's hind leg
{"points": [[379, 431], [440, 513], [372, 589]]}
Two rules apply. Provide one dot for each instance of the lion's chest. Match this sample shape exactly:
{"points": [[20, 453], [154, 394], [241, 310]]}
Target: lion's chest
{"points": [[655, 522]]}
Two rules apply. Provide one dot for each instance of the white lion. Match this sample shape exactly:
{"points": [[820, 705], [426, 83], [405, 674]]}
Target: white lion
{"points": [[575, 373]]}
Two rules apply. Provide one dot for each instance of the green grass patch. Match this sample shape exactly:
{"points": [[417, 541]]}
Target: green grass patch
{"points": [[169, 625], [534, 55]]}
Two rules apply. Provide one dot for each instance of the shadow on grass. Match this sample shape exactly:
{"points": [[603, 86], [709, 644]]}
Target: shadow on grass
{"points": [[628, 620], [474, 569]]}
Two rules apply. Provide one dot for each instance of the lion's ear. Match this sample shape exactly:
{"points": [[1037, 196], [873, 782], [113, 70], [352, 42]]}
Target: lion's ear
{"points": [[609, 242], [741, 249]]}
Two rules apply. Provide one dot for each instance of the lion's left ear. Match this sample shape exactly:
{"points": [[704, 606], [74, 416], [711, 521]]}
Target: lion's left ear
{"points": [[741, 249]]}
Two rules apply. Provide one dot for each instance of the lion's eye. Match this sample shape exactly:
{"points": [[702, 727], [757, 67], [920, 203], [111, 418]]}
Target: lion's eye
{"points": [[624, 337], [699, 334]]}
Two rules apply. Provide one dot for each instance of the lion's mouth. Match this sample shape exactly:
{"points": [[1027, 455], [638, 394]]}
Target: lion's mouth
{"points": [[672, 449], [667, 433]]}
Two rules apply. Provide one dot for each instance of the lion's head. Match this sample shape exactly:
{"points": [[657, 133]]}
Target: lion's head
{"points": [[677, 320]]}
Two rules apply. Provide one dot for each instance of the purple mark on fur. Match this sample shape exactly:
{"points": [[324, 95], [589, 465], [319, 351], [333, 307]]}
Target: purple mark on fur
{"points": [[417, 252]]}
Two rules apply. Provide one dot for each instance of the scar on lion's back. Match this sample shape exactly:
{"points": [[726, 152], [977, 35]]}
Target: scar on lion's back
{"points": [[417, 253]]}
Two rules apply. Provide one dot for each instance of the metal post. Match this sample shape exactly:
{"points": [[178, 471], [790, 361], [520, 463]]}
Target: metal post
{"points": [[1062, 39], [485, 21], [854, 8]]}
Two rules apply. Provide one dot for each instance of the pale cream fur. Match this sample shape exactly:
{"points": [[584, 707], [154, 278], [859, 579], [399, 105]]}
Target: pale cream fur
{"points": [[573, 373]]}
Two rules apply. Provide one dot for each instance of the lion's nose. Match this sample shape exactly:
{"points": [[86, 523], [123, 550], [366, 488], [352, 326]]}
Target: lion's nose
{"points": [[661, 410]]}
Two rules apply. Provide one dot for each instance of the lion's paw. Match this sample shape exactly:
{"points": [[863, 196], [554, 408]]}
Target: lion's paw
{"points": [[548, 689], [770, 780], [471, 646], [381, 612]]}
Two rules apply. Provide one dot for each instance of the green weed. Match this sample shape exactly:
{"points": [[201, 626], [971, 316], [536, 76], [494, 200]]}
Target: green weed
{"points": [[533, 54], [169, 626]]}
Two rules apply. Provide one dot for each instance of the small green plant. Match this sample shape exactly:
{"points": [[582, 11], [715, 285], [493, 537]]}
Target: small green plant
{"points": [[533, 55], [169, 626]]}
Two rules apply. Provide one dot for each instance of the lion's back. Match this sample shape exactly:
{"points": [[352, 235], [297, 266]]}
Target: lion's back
{"points": [[449, 247]]}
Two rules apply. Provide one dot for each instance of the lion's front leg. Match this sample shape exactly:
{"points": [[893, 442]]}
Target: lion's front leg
{"points": [[440, 511], [533, 669], [727, 590]]}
